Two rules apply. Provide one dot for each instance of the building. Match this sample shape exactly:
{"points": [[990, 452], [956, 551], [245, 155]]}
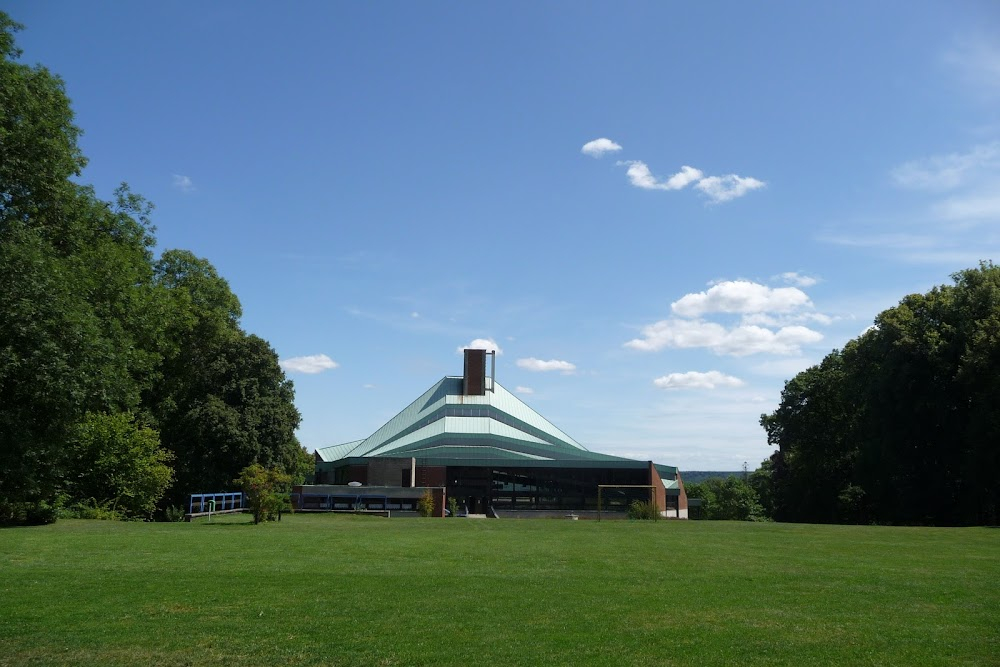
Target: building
{"points": [[469, 439]]}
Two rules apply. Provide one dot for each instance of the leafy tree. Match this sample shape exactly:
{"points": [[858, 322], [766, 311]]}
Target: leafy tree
{"points": [[90, 324], [224, 402], [727, 499], [761, 481], [119, 463], [304, 467], [264, 489], [38, 140], [902, 425]]}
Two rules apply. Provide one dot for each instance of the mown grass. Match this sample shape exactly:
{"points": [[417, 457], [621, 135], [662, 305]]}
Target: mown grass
{"points": [[350, 590]]}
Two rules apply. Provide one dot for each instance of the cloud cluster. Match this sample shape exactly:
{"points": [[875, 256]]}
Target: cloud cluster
{"points": [[718, 189], [539, 365], [741, 296], [487, 344], [312, 364], [640, 176], [770, 321], [696, 380], [738, 341]]}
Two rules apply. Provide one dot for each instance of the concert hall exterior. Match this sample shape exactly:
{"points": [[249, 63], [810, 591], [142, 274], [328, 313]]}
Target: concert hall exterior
{"points": [[469, 439]]}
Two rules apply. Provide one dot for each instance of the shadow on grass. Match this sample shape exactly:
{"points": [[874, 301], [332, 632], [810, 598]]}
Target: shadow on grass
{"points": [[227, 524]]}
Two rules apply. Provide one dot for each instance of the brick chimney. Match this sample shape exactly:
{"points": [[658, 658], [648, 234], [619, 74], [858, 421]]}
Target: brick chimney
{"points": [[474, 378]]}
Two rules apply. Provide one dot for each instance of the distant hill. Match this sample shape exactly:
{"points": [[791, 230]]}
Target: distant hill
{"points": [[693, 476]]}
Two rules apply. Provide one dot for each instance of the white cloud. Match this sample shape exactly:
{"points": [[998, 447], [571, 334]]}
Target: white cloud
{"points": [[725, 188], [599, 147], [946, 172], [972, 208], [368, 386], [696, 380], [739, 341], [316, 363], [524, 390], [183, 183], [797, 279], [487, 344], [741, 296], [539, 365], [640, 176]]}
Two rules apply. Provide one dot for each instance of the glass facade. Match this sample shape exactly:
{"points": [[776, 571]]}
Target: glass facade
{"points": [[514, 488]]}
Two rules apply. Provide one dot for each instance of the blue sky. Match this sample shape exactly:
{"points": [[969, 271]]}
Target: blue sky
{"points": [[659, 212]]}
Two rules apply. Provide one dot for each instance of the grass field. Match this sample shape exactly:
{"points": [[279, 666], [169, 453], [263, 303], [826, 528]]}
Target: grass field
{"points": [[352, 590]]}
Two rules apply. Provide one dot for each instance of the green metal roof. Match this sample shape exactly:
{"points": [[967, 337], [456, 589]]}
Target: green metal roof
{"points": [[445, 427], [337, 451]]}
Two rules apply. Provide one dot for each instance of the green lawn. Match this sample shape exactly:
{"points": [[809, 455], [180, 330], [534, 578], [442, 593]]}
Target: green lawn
{"points": [[351, 590]]}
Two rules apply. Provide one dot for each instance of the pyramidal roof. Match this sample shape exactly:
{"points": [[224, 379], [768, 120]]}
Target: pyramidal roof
{"points": [[446, 423]]}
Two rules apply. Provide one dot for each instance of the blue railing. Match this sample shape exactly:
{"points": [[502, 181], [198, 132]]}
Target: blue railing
{"points": [[225, 500]]}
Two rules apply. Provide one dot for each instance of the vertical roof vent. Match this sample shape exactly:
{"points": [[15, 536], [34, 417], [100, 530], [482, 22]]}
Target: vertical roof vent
{"points": [[475, 381]]}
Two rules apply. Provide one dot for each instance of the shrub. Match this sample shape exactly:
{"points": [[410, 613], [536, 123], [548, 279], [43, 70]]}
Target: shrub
{"points": [[174, 513], [41, 513], [425, 506], [643, 510], [90, 509], [453, 507]]}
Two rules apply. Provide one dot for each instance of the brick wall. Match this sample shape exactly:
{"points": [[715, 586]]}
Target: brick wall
{"points": [[432, 476], [659, 492], [357, 474]]}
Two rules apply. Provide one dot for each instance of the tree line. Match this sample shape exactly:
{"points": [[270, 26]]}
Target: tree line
{"points": [[901, 426], [126, 380]]}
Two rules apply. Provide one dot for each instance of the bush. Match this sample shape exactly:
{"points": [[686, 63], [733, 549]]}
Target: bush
{"points": [[40, 513], [174, 514], [425, 506], [643, 510], [90, 509], [13, 513], [453, 507]]}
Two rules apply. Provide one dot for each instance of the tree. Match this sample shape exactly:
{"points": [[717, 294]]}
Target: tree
{"points": [[304, 467], [902, 425], [90, 325], [728, 499], [224, 402], [264, 490], [118, 462], [38, 140]]}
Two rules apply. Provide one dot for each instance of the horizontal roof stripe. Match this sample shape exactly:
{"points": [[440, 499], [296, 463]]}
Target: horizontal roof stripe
{"points": [[505, 430]]}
